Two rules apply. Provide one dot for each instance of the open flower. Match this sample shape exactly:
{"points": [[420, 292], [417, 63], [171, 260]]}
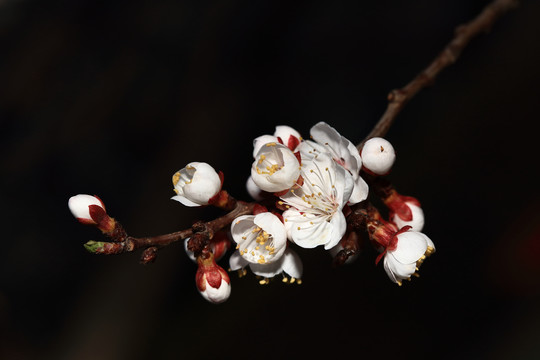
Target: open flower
{"points": [[287, 265], [343, 152], [275, 168], [196, 184], [378, 156], [212, 281], [261, 238], [407, 252], [314, 216]]}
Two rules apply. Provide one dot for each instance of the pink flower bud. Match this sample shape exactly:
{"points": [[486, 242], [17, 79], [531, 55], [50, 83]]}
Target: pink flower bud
{"points": [[212, 281]]}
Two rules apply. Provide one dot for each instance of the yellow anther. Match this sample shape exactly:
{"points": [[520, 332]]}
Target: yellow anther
{"points": [[175, 178], [399, 283], [299, 282], [292, 280], [176, 191], [285, 279]]}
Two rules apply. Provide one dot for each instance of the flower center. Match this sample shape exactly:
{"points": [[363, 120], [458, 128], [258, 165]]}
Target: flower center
{"points": [[257, 246]]}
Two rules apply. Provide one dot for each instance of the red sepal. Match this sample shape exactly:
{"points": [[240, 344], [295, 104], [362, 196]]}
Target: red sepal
{"points": [[380, 257], [298, 157], [98, 214], [281, 193], [293, 143], [279, 216], [258, 209], [221, 178]]}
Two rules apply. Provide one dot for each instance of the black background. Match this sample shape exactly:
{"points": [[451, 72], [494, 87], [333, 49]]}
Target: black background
{"points": [[111, 98]]}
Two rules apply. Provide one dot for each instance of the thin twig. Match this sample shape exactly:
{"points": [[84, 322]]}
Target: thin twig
{"points": [[464, 33]]}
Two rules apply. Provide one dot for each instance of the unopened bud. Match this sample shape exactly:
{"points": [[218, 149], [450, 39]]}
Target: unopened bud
{"points": [[80, 207], [90, 210], [378, 156], [212, 280]]}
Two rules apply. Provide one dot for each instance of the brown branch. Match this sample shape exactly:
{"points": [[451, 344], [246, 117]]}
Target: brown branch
{"points": [[464, 33], [129, 243]]}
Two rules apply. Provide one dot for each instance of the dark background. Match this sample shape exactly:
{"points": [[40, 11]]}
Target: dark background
{"points": [[111, 98]]}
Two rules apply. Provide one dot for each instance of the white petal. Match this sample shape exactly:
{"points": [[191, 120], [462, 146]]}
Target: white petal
{"points": [[388, 270], [401, 271], [272, 225], [325, 134], [292, 265], [253, 190], [78, 205], [411, 246], [417, 221], [237, 262], [184, 201], [240, 226], [360, 191], [218, 295], [429, 242], [267, 270], [260, 141], [339, 226]]}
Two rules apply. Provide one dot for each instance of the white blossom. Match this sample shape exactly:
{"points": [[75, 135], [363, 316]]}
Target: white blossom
{"points": [[261, 238], [314, 216], [196, 184], [378, 156], [343, 152], [275, 168], [287, 265], [411, 249]]}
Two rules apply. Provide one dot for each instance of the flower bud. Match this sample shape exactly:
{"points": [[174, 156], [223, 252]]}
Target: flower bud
{"points": [[80, 207], [212, 281], [415, 221], [196, 184], [90, 210], [275, 168], [378, 156]]}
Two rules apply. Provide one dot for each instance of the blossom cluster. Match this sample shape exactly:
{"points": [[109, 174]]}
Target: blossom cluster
{"points": [[312, 185], [305, 191]]}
